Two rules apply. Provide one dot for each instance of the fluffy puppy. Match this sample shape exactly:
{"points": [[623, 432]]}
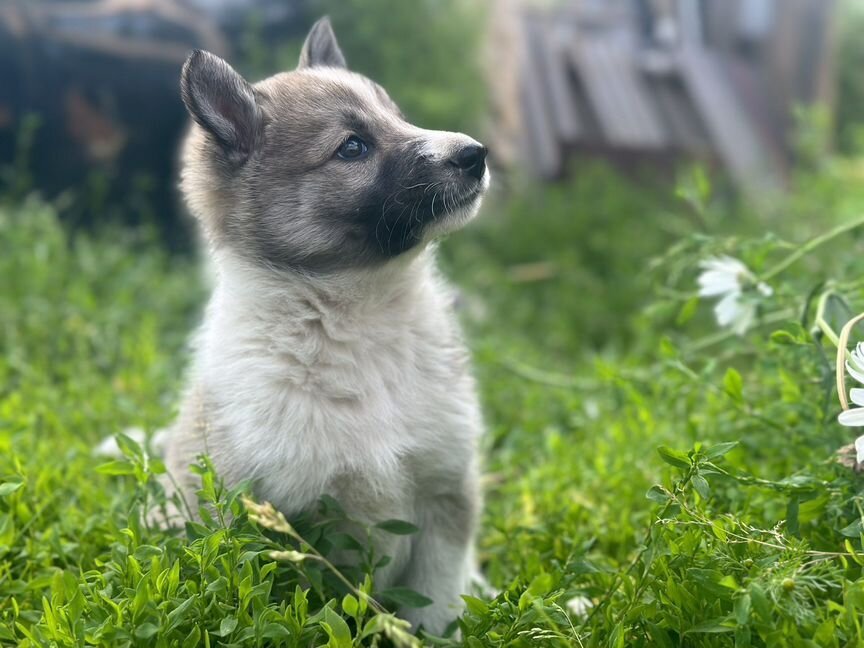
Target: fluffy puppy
{"points": [[329, 360]]}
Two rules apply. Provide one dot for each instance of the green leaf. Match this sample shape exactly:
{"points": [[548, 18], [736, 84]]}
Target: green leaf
{"points": [[397, 527], [176, 615], [853, 530], [667, 348], [658, 494], [733, 385], [193, 639], [659, 636], [701, 486], [714, 626], [475, 606], [405, 596], [742, 608], [783, 338], [674, 457], [720, 450], [8, 488], [227, 626], [275, 631], [688, 310], [146, 630], [350, 605], [760, 603], [128, 446], [116, 467], [218, 585], [541, 584], [335, 626]]}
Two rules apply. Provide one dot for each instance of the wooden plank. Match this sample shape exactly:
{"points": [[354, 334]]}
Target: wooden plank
{"points": [[813, 51], [733, 134], [690, 23], [756, 19], [618, 94], [541, 143], [686, 130], [546, 41]]}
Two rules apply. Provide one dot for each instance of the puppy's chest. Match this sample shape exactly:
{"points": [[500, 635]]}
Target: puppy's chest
{"points": [[347, 400]]}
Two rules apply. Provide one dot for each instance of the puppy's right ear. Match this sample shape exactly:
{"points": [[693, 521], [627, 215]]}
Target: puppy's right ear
{"points": [[321, 48], [222, 102]]}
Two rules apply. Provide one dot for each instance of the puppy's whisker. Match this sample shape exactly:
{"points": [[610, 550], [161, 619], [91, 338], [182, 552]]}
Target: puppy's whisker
{"points": [[393, 228], [414, 186]]}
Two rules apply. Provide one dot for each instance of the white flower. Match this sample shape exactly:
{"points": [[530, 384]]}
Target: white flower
{"points": [[579, 606], [733, 282], [855, 417]]}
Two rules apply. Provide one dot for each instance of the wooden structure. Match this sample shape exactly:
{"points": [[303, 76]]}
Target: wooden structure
{"points": [[712, 80], [102, 77]]}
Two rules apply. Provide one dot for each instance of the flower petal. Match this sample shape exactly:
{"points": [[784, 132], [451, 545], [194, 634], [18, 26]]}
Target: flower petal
{"points": [[713, 283], [858, 355], [579, 605], [859, 449], [856, 373], [765, 289], [726, 264], [746, 315], [852, 418], [728, 309], [856, 395]]}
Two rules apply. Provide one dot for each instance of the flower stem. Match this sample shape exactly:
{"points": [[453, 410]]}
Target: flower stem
{"points": [[821, 322], [710, 340], [843, 354], [811, 245]]}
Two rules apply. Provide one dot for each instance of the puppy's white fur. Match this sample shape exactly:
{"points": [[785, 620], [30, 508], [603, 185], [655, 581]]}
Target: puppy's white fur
{"points": [[357, 386]]}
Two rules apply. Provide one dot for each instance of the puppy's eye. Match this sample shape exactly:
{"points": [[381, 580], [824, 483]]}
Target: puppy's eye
{"points": [[352, 149]]}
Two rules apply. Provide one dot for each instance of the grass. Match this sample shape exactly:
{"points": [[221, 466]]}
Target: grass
{"points": [[742, 529]]}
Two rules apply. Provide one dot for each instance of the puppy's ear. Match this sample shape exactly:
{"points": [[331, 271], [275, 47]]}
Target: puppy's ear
{"points": [[222, 102], [321, 48]]}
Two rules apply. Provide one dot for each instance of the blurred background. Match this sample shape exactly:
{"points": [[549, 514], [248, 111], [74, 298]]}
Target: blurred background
{"points": [[596, 112], [631, 141]]}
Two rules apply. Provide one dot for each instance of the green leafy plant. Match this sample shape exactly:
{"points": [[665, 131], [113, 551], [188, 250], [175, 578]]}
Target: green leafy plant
{"points": [[751, 532]]}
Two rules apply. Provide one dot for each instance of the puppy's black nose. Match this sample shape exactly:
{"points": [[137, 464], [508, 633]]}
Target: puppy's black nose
{"points": [[472, 160]]}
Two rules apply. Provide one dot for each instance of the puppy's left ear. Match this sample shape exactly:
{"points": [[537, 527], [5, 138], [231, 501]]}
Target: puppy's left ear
{"points": [[321, 48], [222, 102]]}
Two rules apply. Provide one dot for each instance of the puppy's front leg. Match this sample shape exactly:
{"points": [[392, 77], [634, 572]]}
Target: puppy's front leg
{"points": [[442, 557]]}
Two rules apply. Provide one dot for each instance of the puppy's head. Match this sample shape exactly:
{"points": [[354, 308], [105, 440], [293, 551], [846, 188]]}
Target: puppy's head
{"points": [[316, 169]]}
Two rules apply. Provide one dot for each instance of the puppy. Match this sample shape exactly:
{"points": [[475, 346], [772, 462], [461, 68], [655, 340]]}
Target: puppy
{"points": [[329, 360]]}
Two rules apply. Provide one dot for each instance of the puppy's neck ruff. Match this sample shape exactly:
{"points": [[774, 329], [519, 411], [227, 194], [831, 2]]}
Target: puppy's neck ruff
{"points": [[347, 293]]}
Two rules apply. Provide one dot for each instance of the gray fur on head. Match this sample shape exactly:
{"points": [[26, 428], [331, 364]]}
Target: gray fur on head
{"points": [[264, 175]]}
